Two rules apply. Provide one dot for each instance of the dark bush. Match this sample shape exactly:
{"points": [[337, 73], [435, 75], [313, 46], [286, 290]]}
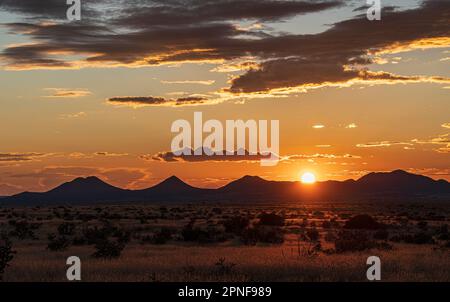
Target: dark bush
{"points": [[271, 219], [223, 267], [264, 234], [423, 225], [326, 224], [95, 234], [108, 249], [66, 229], [79, 240], [442, 232], [381, 235], [23, 229], [352, 241], [363, 222], [312, 234], [161, 237], [236, 224], [208, 235], [417, 238], [58, 243], [217, 211], [6, 254]]}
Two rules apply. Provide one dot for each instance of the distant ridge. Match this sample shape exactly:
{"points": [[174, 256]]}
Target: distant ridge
{"points": [[395, 185], [401, 181], [89, 189]]}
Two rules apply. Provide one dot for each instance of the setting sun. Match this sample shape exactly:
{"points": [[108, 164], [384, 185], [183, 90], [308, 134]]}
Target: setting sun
{"points": [[308, 178]]}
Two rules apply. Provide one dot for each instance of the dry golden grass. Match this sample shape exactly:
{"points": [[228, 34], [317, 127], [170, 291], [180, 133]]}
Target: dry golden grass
{"points": [[180, 261], [260, 263]]}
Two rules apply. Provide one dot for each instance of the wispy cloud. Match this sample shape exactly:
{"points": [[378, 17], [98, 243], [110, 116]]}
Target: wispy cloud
{"points": [[383, 144], [80, 114], [21, 157], [138, 101], [442, 141], [204, 82], [109, 154], [67, 93], [351, 126]]}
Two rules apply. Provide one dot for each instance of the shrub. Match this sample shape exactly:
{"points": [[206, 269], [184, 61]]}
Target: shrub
{"points": [[442, 232], [95, 234], [23, 229], [271, 219], [217, 211], [326, 224], [162, 236], [79, 240], [264, 234], [351, 241], [223, 267], [57, 243], [6, 254], [330, 236], [363, 222], [236, 224], [381, 235], [66, 229], [108, 249], [208, 235], [312, 234], [423, 225], [417, 238]]}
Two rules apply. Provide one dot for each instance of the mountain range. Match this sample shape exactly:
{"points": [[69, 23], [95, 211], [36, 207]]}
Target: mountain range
{"points": [[374, 186]]}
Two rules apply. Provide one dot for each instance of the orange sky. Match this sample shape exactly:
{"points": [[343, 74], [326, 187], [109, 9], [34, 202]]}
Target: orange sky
{"points": [[351, 97]]}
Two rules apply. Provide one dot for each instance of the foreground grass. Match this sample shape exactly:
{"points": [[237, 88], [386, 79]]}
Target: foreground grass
{"points": [[174, 262]]}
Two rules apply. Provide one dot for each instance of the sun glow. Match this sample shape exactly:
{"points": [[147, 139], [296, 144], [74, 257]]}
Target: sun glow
{"points": [[308, 178]]}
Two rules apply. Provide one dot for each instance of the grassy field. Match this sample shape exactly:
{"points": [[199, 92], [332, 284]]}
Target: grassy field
{"points": [[229, 243]]}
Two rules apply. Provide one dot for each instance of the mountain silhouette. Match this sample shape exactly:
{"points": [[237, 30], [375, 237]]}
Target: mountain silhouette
{"points": [[400, 181], [395, 185], [171, 189], [89, 189]]}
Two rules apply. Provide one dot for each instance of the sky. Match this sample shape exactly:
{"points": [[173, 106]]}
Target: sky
{"points": [[98, 96]]}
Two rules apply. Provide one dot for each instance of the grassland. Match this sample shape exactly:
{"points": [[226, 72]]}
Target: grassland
{"points": [[228, 243]]}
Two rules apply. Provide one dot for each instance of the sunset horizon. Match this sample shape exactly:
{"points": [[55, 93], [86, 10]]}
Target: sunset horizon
{"points": [[77, 104], [225, 148]]}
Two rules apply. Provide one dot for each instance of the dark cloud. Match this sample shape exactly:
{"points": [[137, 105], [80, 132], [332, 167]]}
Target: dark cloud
{"points": [[181, 12], [156, 101], [247, 157], [38, 9], [334, 55], [51, 9], [171, 157], [162, 32]]}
